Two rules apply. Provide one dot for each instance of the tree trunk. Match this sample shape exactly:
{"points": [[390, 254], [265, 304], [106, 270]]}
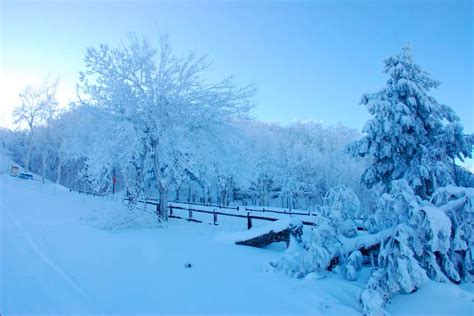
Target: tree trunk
{"points": [[273, 233], [163, 211], [178, 189], [43, 166], [58, 171], [224, 197], [455, 173], [28, 151]]}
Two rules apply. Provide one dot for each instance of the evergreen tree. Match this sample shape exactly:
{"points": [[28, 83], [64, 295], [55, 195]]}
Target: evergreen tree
{"points": [[410, 135], [413, 142]]}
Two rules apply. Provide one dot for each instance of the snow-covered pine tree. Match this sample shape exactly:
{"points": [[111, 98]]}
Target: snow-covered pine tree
{"points": [[410, 135], [413, 142]]}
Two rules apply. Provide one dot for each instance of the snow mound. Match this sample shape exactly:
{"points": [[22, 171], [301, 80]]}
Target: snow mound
{"points": [[122, 218]]}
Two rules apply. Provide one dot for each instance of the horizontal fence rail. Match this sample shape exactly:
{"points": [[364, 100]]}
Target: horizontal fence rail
{"points": [[172, 206]]}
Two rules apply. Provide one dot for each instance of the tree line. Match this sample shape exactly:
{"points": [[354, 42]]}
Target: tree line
{"points": [[150, 120]]}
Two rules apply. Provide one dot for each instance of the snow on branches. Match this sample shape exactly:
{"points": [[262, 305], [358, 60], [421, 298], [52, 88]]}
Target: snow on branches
{"points": [[158, 110], [410, 135], [421, 225]]}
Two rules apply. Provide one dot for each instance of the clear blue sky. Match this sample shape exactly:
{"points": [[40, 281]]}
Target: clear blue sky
{"points": [[309, 60]]}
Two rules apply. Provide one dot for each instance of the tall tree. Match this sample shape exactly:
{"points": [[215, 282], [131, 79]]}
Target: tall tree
{"points": [[413, 142], [157, 104], [410, 134], [36, 104]]}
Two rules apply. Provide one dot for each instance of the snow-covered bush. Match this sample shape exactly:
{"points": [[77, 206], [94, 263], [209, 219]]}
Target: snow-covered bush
{"points": [[313, 255], [457, 204], [432, 239], [352, 265], [398, 272], [123, 217], [340, 207], [322, 249]]}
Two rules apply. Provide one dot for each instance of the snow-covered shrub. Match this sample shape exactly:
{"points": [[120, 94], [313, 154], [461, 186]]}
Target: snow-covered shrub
{"points": [[293, 262], [343, 201], [433, 239], [323, 249], [313, 255], [398, 272], [341, 206], [457, 204], [352, 265], [123, 217], [432, 242]]}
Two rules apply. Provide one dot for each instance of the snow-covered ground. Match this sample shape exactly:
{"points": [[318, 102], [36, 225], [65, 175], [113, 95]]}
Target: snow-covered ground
{"points": [[54, 261]]}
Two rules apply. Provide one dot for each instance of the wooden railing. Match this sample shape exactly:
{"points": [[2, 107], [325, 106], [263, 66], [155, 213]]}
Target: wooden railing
{"points": [[191, 208]]}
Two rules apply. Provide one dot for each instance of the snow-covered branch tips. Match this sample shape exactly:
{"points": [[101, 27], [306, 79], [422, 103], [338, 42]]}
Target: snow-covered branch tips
{"points": [[154, 114]]}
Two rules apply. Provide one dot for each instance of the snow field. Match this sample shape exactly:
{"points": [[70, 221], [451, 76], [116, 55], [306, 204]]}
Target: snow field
{"points": [[54, 261]]}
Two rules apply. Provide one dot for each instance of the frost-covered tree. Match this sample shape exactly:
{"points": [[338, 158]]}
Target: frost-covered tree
{"points": [[413, 142], [263, 162], [37, 103], [410, 134], [45, 138], [157, 104]]}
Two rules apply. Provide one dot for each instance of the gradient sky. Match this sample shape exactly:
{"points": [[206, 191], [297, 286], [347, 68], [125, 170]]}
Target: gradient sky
{"points": [[309, 60]]}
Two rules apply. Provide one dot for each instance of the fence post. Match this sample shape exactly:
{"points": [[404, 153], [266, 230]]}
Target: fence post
{"points": [[171, 210], [249, 221], [215, 217], [190, 215]]}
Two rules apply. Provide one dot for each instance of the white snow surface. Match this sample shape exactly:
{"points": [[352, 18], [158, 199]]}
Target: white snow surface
{"points": [[52, 261]]}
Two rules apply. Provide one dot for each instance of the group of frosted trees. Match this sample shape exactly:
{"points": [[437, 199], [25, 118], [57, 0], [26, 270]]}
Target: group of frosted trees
{"points": [[149, 118], [422, 224]]}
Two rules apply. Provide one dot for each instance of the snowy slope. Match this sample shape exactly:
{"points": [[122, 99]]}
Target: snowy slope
{"points": [[5, 161], [54, 262]]}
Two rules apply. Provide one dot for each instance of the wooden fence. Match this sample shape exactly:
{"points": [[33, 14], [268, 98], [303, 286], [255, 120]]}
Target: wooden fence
{"points": [[189, 210]]}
